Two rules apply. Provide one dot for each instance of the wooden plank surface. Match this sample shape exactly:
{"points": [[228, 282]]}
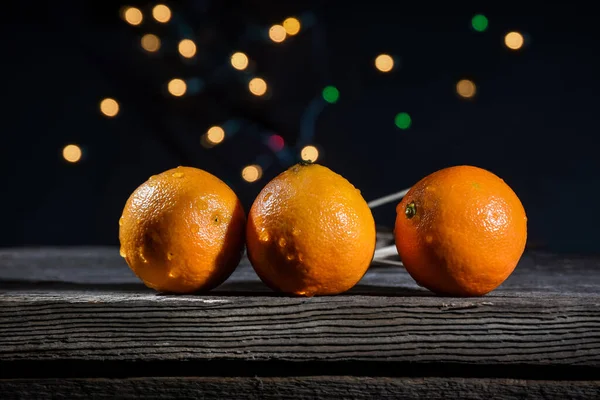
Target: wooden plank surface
{"points": [[85, 305], [107, 326], [322, 387], [98, 268]]}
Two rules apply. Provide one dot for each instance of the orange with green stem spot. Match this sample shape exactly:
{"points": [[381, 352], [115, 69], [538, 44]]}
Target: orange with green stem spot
{"points": [[460, 231]]}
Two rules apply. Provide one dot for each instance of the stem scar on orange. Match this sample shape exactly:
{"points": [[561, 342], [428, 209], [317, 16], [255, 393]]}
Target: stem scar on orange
{"points": [[182, 231], [310, 232], [460, 231]]}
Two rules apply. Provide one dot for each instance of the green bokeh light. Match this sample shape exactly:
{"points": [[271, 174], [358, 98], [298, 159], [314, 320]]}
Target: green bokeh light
{"points": [[403, 120], [331, 94], [479, 22]]}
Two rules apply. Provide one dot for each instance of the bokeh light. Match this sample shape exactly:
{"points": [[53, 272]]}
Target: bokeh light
{"points": [[215, 135], [161, 13], [133, 16], [187, 48], [177, 87], [239, 61], [252, 173], [72, 153], [384, 63], [309, 153], [150, 42], [403, 120], [466, 88], [514, 40], [291, 26], [257, 86], [109, 107], [276, 143], [277, 33], [331, 94], [479, 22]]}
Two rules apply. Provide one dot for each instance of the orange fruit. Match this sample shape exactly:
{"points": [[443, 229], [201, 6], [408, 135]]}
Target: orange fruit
{"points": [[310, 232], [182, 231], [460, 231]]}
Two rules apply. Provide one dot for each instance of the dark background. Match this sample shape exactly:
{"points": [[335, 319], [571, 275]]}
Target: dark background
{"points": [[533, 121]]}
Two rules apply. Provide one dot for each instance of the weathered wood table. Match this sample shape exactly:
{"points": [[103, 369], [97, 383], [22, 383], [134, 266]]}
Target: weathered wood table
{"points": [[76, 323]]}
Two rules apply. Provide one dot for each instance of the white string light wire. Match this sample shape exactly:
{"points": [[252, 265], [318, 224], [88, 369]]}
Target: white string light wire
{"points": [[382, 253]]}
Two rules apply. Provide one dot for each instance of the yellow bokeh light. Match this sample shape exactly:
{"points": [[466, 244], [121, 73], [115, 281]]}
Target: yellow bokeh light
{"points": [[187, 48], [309, 153], [466, 88], [257, 86], [109, 107], [161, 13], [177, 87], [384, 63], [514, 40], [277, 33], [72, 153], [215, 135], [150, 42], [252, 173], [291, 26], [133, 16], [239, 61]]}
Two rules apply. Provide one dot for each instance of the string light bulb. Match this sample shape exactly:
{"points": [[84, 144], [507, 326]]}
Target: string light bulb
{"points": [[187, 48], [403, 120], [276, 143], [514, 40], [215, 135], [331, 94], [291, 26], [72, 153], [252, 173], [466, 88], [109, 107], [257, 86], [161, 13], [277, 33], [177, 87], [479, 22], [384, 63], [239, 61], [150, 42], [133, 16], [309, 153]]}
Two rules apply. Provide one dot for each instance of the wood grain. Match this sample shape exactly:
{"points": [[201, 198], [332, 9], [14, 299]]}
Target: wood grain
{"points": [[95, 268], [125, 326], [325, 387], [76, 308]]}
